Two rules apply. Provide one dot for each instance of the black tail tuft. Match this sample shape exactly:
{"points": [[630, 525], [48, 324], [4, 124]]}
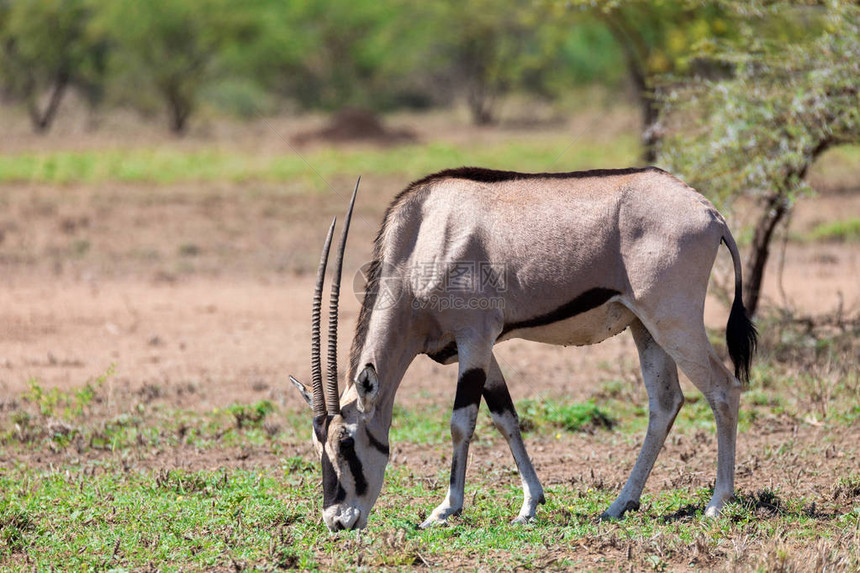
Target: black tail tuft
{"points": [[741, 338]]}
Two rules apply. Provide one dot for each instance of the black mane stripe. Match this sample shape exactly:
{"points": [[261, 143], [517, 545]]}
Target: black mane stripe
{"points": [[481, 175], [476, 174]]}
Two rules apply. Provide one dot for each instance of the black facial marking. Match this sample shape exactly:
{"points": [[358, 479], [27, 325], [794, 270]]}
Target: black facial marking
{"points": [[377, 445], [588, 300], [321, 427], [445, 354], [498, 400], [333, 492], [347, 451], [469, 388]]}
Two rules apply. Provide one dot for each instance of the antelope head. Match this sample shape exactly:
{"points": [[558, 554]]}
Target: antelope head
{"points": [[353, 460]]}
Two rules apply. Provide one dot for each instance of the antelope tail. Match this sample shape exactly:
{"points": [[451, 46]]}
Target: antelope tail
{"points": [[741, 333]]}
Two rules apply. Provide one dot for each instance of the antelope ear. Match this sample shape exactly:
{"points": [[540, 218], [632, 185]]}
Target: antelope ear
{"points": [[303, 391], [367, 387]]}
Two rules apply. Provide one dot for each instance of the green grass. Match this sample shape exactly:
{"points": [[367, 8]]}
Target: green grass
{"points": [[572, 417], [844, 231], [106, 502], [245, 425], [102, 517], [170, 165]]}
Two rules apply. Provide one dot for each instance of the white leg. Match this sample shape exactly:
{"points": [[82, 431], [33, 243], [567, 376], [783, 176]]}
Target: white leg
{"points": [[688, 345], [664, 402], [724, 400], [507, 422]]}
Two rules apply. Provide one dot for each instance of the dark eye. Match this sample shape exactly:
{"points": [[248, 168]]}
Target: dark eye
{"points": [[347, 442]]}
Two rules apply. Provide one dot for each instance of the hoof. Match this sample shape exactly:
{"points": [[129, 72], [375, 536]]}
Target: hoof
{"points": [[609, 515], [717, 503], [439, 518], [433, 522], [712, 512], [523, 520]]}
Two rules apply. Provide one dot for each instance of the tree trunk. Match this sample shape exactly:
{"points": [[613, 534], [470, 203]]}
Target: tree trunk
{"points": [[635, 55], [650, 129], [480, 101], [777, 207], [178, 111], [42, 120]]}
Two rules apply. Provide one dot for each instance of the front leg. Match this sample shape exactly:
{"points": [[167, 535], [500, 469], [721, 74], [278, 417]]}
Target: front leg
{"points": [[469, 386], [508, 424]]}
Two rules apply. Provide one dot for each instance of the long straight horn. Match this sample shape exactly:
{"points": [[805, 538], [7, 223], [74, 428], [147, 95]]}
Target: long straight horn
{"points": [[316, 357], [332, 393]]}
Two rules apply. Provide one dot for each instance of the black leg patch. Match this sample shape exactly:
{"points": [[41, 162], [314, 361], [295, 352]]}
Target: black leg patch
{"points": [[452, 482], [499, 400], [444, 355], [469, 388]]}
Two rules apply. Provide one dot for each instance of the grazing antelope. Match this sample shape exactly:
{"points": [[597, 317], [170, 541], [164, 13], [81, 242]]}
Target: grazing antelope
{"points": [[585, 255]]}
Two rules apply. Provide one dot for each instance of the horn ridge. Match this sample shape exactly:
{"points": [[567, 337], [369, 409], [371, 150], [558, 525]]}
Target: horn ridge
{"points": [[319, 404], [332, 392]]}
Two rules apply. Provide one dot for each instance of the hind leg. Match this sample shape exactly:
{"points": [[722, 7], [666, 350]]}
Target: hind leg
{"points": [[687, 343], [664, 402], [724, 399]]}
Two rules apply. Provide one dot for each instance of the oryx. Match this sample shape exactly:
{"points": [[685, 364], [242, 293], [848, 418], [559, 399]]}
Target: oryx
{"points": [[585, 256]]}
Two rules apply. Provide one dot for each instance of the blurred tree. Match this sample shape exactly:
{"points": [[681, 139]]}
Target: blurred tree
{"points": [[170, 48], [757, 132], [328, 54], [493, 49], [658, 38], [46, 46], [396, 53]]}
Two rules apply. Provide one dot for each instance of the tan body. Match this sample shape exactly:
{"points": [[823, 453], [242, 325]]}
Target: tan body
{"points": [[557, 240], [584, 256]]}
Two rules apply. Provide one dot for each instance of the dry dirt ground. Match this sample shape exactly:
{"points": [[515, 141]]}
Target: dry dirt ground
{"points": [[211, 287]]}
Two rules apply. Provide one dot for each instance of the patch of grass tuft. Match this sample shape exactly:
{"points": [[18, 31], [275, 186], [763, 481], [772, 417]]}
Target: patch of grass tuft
{"points": [[15, 525], [572, 417], [69, 405], [251, 415], [847, 487], [184, 482]]}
